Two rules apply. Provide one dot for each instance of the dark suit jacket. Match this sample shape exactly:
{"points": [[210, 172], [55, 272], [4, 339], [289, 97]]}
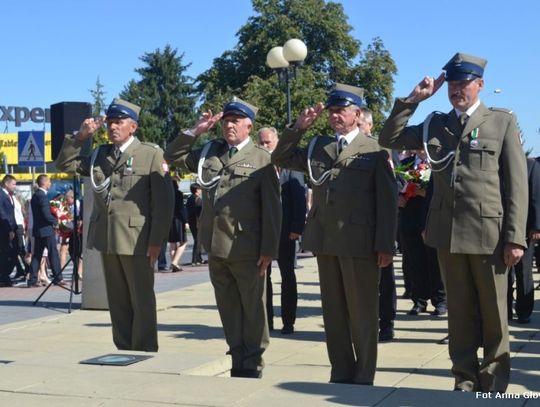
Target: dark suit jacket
{"points": [[533, 216], [7, 218], [293, 201], [42, 217]]}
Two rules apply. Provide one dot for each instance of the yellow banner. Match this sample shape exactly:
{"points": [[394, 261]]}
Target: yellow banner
{"points": [[9, 146]]}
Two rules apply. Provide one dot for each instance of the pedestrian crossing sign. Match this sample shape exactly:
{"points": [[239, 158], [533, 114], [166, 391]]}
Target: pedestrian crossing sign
{"points": [[31, 148]]}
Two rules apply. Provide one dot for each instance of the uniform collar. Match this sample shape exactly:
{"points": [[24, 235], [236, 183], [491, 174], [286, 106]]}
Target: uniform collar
{"points": [[241, 145], [124, 146], [349, 136], [469, 111]]}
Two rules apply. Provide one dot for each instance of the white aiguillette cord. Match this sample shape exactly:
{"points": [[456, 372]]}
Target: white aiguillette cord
{"points": [[202, 158], [325, 174], [425, 133], [105, 184]]}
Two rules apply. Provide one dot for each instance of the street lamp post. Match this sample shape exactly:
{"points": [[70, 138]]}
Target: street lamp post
{"points": [[285, 60]]}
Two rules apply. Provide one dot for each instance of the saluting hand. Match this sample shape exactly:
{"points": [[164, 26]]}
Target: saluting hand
{"points": [[206, 122], [425, 89], [90, 126], [308, 116]]}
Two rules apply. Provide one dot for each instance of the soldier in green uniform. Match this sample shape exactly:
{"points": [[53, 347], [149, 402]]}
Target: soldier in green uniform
{"points": [[239, 226], [351, 227], [477, 215], [132, 213]]}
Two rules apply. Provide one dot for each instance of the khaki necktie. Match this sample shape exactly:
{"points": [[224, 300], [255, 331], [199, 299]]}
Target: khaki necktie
{"points": [[463, 120], [116, 153]]}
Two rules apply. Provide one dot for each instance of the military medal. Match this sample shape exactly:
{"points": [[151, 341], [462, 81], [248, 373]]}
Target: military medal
{"points": [[474, 137], [129, 166]]}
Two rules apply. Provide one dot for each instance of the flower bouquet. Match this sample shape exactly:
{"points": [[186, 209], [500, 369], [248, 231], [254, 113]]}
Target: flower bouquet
{"points": [[65, 219], [416, 179]]}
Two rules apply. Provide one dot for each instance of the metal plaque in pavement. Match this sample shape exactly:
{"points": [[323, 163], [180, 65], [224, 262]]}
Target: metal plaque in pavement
{"points": [[113, 359]]}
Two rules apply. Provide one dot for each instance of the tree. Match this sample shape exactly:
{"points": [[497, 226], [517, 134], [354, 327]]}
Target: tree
{"points": [[333, 56], [165, 94], [98, 109]]}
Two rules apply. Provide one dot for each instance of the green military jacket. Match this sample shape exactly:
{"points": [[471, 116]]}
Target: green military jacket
{"points": [[241, 214], [480, 195], [136, 210], [354, 212]]}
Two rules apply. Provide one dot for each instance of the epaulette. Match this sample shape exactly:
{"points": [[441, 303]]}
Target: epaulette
{"points": [[501, 109], [262, 148], [147, 143]]}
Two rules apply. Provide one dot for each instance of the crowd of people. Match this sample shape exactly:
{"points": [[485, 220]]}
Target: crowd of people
{"points": [[451, 193], [37, 234]]}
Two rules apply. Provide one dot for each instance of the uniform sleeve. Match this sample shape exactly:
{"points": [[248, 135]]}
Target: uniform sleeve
{"points": [[514, 171], [287, 153], [386, 204], [396, 134], [162, 196], [70, 159], [179, 152], [45, 209], [271, 212]]}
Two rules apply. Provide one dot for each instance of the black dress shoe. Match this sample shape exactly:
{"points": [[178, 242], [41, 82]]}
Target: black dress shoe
{"points": [[386, 335], [61, 283], [417, 309], [439, 311], [443, 341], [523, 320], [287, 329], [247, 373]]}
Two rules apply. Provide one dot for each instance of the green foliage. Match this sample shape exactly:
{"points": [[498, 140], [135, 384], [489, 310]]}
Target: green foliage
{"points": [[166, 96], [333, 56], [98, 109]]}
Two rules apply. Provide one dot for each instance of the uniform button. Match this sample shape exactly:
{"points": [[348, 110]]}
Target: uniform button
{"points": [[459, 194], [458, 178], [115, 185], [459, 163]]}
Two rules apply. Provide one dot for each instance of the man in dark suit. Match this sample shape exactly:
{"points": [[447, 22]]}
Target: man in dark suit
{"points": [[194, 208], [477, 216], [8, 229], [426, 281], [293, 204], [523, 271], [44, 233], [351, 227]]}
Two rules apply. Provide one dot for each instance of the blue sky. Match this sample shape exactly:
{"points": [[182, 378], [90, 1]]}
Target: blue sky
{"points": [[55, 50]]}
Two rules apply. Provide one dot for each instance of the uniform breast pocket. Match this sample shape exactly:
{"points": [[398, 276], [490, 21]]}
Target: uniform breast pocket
{"points": [[209, 171], [484, 156], [243, 174]]}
